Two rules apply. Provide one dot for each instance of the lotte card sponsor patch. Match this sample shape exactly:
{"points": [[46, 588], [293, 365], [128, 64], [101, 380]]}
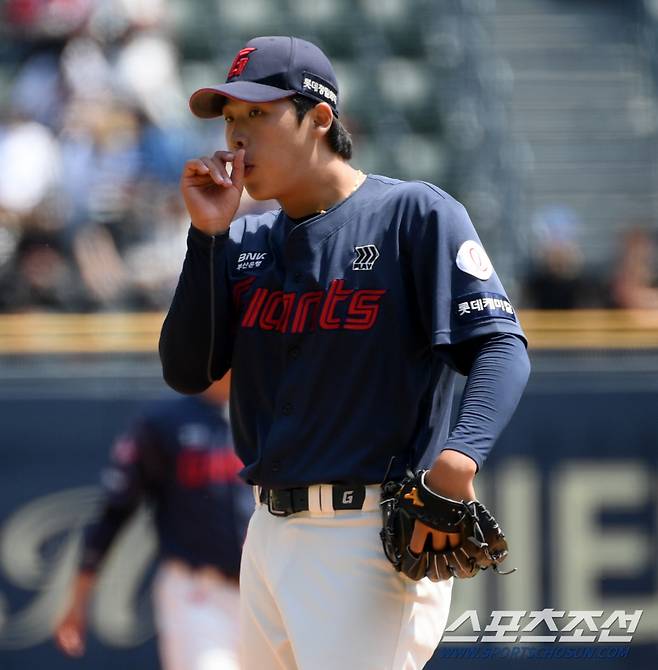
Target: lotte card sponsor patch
{"points": [[482, 305]]}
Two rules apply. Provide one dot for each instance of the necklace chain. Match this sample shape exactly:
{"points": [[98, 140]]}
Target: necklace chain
{"points": [[357, 183]]}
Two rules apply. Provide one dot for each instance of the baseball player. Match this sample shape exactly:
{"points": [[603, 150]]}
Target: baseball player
{"points": [[180, 457], [345, 316]]}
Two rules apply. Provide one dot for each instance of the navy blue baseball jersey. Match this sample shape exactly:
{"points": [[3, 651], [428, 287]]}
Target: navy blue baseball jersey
{"points": [[179, 456], [338, 329]]}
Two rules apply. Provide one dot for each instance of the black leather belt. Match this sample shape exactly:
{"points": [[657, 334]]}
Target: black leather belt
{"points": [[284, 502]]}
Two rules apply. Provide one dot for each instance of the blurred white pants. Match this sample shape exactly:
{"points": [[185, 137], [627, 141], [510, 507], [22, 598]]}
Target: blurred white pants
{"points": [[196, 614], [317, 593]]}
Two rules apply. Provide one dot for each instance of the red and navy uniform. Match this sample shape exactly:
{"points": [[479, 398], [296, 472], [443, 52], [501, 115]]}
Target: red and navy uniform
{"points": [[178, 456], [345, 331]]}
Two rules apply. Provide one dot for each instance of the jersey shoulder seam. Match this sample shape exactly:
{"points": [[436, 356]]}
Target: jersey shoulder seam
{"points": [[433, 188], [388, 181]]}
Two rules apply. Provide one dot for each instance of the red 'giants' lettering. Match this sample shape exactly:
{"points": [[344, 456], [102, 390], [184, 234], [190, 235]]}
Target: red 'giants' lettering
{"points": [[336, 308], [328, 320], [307, 301], [363, 309]]}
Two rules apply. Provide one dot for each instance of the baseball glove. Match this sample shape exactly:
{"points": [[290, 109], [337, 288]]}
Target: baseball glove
{"points": [[477, 541]]}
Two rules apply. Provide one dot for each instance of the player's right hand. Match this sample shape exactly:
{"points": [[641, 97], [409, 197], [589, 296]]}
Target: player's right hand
{"points": [[70, 633], [212, 196]]}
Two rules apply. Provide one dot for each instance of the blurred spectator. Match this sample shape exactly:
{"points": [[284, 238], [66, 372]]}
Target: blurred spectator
{"points": [[557, 278], [90, 155], [40, 277], [101, 267], [47, 17], [29, 165], [633, 283], [39, 73]]}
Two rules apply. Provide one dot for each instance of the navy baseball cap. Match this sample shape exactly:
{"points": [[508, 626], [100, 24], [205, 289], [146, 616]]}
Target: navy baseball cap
{"points": [[268, 69]]}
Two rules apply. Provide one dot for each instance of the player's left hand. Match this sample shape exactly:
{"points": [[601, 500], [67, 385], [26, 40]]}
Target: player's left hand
{"points": [[451, 476]]}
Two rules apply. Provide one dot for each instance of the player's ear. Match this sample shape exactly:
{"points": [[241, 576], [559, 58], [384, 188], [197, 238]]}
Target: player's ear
{"points": [[322, 117]]}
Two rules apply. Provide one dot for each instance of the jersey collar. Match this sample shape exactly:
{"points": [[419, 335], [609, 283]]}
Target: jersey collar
{"points": [[308, 234]]}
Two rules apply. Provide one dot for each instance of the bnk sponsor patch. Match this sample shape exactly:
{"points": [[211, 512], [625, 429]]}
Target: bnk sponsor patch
{"points": [[482, 305]]}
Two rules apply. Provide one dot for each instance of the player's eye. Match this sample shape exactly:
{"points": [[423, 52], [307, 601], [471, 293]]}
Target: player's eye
{"points": [[253, 113], [228, 119]]}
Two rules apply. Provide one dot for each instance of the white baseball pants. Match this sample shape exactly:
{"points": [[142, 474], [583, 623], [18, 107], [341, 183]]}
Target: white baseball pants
{"points": [[317, 593], [196, 616]]}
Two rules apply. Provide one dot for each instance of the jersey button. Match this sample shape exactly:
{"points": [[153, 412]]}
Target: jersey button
{"points": [[287, 409], [276, 465], [297, 277], [294, 352]]}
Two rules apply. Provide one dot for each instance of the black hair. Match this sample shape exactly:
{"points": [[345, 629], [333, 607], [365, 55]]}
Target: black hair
{"points": [[340, 141]]}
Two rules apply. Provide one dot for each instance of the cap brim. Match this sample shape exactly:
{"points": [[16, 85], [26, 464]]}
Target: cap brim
{"points": [[207, 103]]}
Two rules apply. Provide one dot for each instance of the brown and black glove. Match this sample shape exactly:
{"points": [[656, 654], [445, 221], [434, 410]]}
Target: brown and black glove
{"points": [[474, 541]]}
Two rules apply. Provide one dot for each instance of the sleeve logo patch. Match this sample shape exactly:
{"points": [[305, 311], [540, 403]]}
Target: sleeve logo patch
{"points": [[473, 260], [483, 305]]}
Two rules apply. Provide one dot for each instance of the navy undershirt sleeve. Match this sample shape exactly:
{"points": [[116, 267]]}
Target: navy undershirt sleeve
{"points": [[196, 338], [498, 368]]}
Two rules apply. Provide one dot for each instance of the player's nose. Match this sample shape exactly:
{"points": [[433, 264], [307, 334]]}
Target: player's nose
{"points": [[237, 140], [236, 145]]}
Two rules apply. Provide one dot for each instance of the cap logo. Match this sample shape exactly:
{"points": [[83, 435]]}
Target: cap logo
{"points": [[240, 62]]}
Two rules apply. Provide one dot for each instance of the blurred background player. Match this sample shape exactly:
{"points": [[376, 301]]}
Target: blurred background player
{"points": [[179, 456]]}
